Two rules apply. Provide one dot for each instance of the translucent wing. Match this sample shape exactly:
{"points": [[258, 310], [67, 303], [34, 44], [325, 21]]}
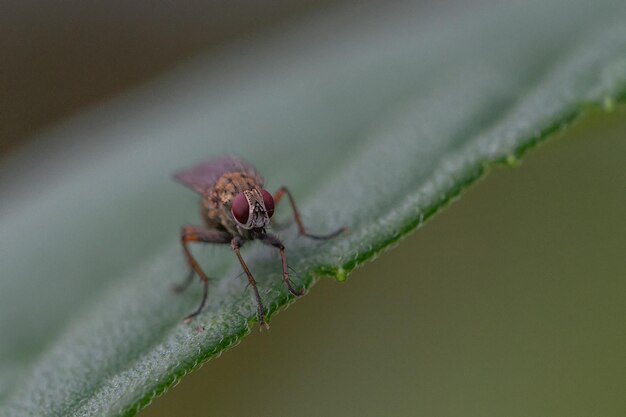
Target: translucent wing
{"points": [[202, 177]]}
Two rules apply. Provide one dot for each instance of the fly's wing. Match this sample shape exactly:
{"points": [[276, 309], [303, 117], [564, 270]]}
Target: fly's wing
{"points": [[202, 177]]}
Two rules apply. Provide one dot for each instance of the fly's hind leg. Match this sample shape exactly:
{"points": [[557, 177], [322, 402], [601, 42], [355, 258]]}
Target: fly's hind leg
{"points": [[296, 215], [182, 286], [201, 235]]}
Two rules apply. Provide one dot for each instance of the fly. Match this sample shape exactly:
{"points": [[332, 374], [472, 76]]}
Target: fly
{"points": [[235, 209]]}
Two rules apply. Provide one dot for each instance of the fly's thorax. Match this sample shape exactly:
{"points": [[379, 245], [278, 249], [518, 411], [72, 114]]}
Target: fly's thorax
{"points": [[211, 212], [233, 183]]}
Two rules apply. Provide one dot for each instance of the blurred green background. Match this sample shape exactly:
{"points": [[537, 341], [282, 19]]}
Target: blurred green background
{"points": [[58, 57], [508, 303]]}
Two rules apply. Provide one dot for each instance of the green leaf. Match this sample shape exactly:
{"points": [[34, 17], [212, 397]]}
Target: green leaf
{"points": [[375, 120]]}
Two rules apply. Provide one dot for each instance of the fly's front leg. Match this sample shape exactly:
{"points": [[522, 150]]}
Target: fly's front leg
{"points": [[236, 243], [199, 234], [296, 215], [275, 242]]}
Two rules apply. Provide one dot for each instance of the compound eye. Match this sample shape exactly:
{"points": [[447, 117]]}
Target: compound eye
{"points": [[241, 208], [268, 200]]}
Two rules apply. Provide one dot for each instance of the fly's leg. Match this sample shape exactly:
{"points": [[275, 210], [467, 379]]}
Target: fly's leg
{"points": [[236, 243], [275, 242], [199, 234], [296, 215], [183, 285]]}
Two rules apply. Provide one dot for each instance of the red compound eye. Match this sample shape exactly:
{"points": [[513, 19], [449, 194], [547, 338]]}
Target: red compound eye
{"points": [[268, 200], [241, 208]]}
